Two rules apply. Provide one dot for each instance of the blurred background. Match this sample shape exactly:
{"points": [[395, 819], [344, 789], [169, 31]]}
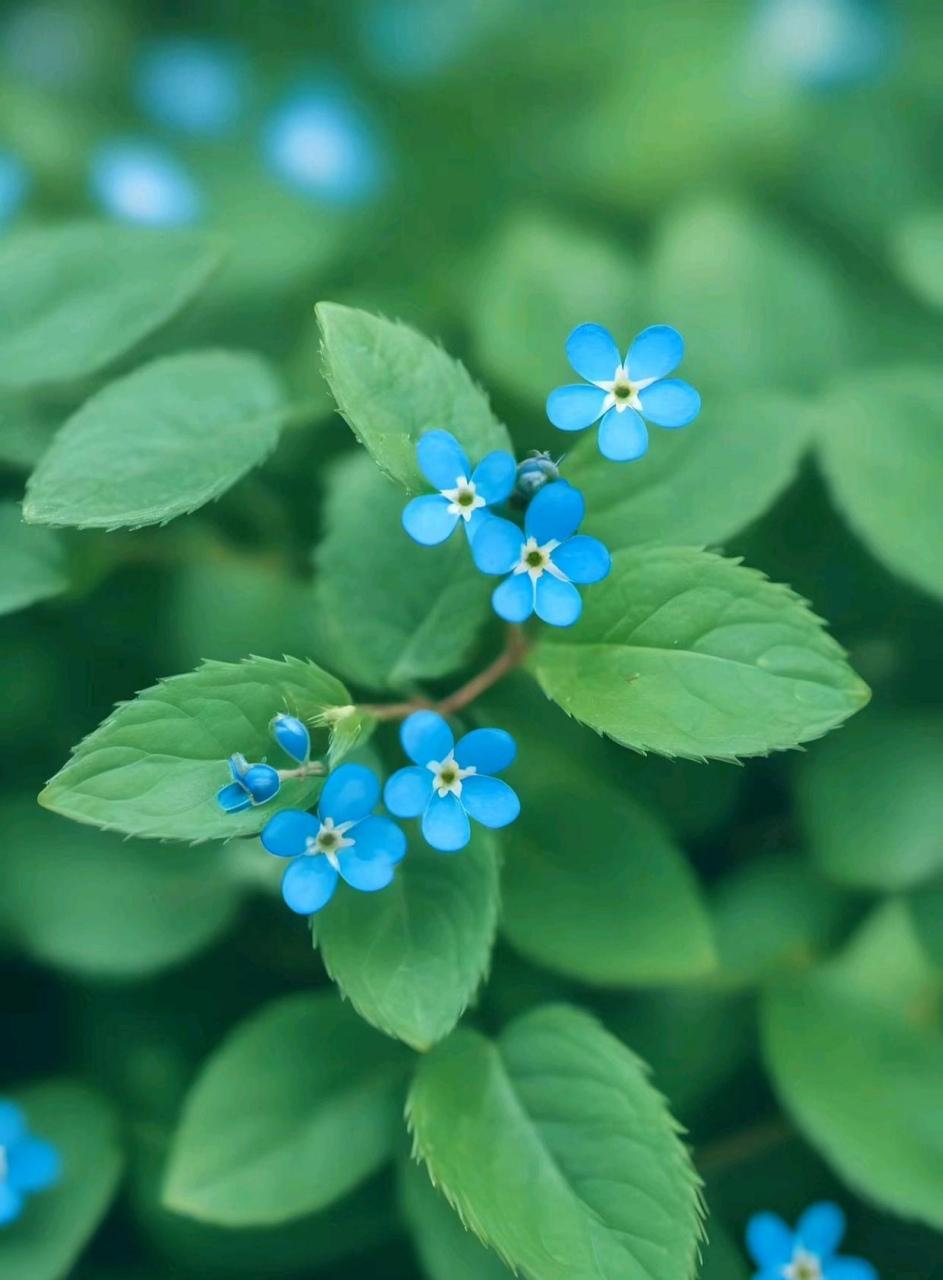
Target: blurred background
{"points": [[766, 175]]}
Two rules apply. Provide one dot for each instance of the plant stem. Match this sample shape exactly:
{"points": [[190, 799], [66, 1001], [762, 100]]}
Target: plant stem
{"points": [[313, 769]]}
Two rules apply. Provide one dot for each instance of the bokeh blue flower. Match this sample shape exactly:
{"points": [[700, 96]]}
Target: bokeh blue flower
{"points": [[623, 393], [141, 183], [820, 44], [322, 144], [464, 495], [544, 561], [449, 783], [14, 185], [809, 1252], [252, 784], [345, 840], [195, 86], [27, 1165]]}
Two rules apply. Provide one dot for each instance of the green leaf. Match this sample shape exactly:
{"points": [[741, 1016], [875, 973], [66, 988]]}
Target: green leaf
{"points": [[74, 298], [700, 485], [856, 1055], [917, 253], [926, 909], [446, 1248], [153, 768], [539, 279], [411, 958], [44, 1243], [686, 654], [163, 441], [392, 385], [32, 565], [25, 432], [387, 612], [874, 473], [300, 1104], [94, 904], [557, 1151], [871, 801]]}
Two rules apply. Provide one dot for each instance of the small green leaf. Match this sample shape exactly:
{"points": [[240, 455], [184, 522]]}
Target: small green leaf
{"points": [[558, 1119], [686, 654], [31, 568], [163, 441], [74, 298], [392, 385], [446, 1248], [94, 904], [153, 768], [300, 1105], [387, 612], [411, 958], [874, 473], [44, 1243]]}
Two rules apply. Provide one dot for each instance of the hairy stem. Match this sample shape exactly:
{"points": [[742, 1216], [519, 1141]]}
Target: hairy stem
{"points": [[313, 769]]}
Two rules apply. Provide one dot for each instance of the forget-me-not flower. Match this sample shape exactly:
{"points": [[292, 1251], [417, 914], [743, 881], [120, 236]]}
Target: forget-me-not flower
{"points": [[196, 86], [622, 393], [140, 183], [809, 1252], [292, 736], [449, 783], [321, 143], [252, 784], [464, 495], [544, 561], [345, 839], [27, 1164]]}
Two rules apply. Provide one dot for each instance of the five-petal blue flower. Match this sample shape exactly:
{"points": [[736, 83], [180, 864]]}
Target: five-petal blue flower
{"points": [[464, 495], [544, 561], [449, 783], [622, 392], [346, 838], [27, 1164], [809, 1252], [252, 784]]}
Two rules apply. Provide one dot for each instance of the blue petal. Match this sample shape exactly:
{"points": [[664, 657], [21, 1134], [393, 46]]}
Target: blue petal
{"points": [[770, 1242], [489, 801], [849, 1269], [426, 736], [496, 546], [309, 884], [513, 599], [479, 517], [428, 520], [558, 602], [494, 476], [34, 1165], [366, 874], [408, 792], [292, 736], [445, 824], [582, 559], [12, 1124], [576, 407], [821, 1228], [555, 513], [670, 403], [378, 837], [486, 750], [592, 352], [287, 833], [442, 459], [623, 436], [656, 351], [350, 793], [233, 798], [11, 1204]]}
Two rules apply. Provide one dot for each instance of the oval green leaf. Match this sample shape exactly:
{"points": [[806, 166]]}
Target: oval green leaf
{"points": [[32, 567]]}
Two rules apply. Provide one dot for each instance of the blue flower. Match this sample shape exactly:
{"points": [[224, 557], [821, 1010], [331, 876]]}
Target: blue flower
{"points": [[820, 44], [140, 183], [292, 736], [808, 1253], [252, 784], [463, 494], [320, 143], [620, 393], [345, 839], [544, 561], [14, 184], [449, 784], [196, 86], [27, 1164]]}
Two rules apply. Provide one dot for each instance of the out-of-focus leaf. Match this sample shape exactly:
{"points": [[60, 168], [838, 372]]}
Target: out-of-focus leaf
{"points": [[926, 907], [917, 253], [31, 567]]}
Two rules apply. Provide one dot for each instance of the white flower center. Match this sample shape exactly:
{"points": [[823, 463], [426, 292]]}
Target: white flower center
{"points": [[447, 775], [464, 498], [621, 393], [535, 559], [804, 1266], [330, 840]]}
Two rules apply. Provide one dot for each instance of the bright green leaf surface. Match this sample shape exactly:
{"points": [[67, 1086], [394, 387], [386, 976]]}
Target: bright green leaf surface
{"points": [[686, 654], [166, 439], [388, 612], [31, 567], [47, 1239], [74, 298], [392, 385], [411, 958], [917, 252], [153, 768], [301, 1104], [558, 1119], [446, 1248]]}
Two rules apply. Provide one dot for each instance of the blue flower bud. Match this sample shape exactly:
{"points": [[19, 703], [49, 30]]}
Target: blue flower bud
{"points": [[292, 736], [534, 472], [262, 783]]}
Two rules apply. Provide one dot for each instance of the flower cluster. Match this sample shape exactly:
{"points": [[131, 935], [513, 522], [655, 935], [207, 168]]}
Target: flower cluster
{"points": [[27, 1164], [254, 784], [809, 1252]]}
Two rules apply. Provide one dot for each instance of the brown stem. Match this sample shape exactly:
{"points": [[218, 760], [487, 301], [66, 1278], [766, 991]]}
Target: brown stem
{"points": [[510, 657], [313, 769], [737, 1148]]}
